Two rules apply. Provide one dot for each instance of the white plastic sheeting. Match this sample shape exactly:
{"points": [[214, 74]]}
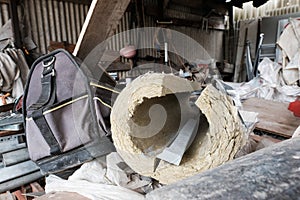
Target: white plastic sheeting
{"points": [[268, 85], [106, 178]]}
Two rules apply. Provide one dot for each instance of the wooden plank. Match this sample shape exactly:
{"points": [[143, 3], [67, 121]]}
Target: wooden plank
{"points": [[101, 22], [274, 117], [19, 195], [36, 187], [15, 171], [14, 157], [258, 138], [118, 67], [8, 133]]}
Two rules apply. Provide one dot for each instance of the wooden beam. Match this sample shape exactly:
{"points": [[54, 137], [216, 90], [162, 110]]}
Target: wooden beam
{"points": [[118, 67], [101, 22]]}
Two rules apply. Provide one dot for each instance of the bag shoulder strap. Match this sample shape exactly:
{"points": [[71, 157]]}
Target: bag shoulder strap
{"points": [[46, 98]]}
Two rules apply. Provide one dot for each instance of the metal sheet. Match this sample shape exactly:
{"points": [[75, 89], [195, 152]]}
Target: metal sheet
{"points": [[49, 20]]}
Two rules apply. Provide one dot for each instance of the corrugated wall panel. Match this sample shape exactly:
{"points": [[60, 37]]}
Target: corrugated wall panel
{"points": [[56, 20], [4, 12], [211, 41], [52, 20]]}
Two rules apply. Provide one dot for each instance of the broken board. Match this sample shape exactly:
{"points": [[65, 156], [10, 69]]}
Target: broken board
{"points": [[274, 117], [101, 22]]}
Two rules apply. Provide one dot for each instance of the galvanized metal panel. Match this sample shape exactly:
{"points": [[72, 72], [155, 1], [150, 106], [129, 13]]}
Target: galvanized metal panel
{"points": [[51, 20], [4, 12]]}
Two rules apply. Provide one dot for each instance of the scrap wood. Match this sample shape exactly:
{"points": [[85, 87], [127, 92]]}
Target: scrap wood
{"points": [[105, 14], [35, 187], [19, 195], [28, 192], [258, 138], [274, 117], [10, 133]]}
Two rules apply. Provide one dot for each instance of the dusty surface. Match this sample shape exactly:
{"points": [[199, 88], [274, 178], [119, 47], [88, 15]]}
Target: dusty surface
{"points": [[149, 112]]}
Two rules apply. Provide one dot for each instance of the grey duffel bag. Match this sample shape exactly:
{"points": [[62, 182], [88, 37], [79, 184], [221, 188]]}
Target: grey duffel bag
{"points": [[66, 112]]}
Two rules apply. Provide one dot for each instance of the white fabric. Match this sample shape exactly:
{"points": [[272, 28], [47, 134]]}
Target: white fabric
{"points": [[100, 179], [13, 72], [94, 191], [269, 85]]}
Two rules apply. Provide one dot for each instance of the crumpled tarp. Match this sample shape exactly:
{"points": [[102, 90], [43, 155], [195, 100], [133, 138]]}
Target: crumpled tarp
{"points": [[289, 42], [268, 85], [103, 179], [13, 72]]}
